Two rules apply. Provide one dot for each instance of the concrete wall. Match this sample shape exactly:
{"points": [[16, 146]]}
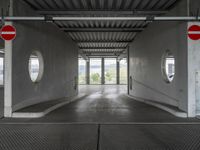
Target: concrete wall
{"points": [[194, 6], [60, 55], [145, 61]]}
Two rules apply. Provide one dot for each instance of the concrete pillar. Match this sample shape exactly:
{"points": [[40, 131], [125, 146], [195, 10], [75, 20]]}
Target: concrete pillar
{"points": [[88, 72], [128, 71], [8, 78], [102, 71], [118, 72], [193, 71]]}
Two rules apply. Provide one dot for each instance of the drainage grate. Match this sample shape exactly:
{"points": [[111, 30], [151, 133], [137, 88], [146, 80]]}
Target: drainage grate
{"points": [[151, 137], [48, 137], [99, 137]]}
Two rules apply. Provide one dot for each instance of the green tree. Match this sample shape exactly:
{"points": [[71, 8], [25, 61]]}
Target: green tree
{"points": [[108, 76], [95, 77]]}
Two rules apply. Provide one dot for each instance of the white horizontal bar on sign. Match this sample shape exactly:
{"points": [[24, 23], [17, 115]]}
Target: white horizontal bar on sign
{"points": [[8, 33], [194, 32]]}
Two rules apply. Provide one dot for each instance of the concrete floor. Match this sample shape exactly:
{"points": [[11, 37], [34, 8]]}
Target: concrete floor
{"points": [[105, 119], [106, 104]]}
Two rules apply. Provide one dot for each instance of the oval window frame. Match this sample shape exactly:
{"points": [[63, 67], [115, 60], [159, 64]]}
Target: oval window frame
{"points": [[41, 66], [163, 66]]}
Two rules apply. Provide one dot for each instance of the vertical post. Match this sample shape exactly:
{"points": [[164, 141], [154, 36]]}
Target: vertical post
{"points": [[128, 71], [118, 71], [88, 71], [8, 78], [102, 71], [193, 66]]}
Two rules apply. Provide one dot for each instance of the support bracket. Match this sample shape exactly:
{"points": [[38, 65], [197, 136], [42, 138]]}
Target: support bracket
{"points": [[48, 19], [150, 19]]}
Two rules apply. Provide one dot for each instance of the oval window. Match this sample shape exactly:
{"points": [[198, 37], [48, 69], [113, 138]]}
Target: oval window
{"points": [[36, 66], [168, 66]]}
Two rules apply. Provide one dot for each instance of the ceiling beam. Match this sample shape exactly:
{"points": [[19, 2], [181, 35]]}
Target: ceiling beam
{"points": [[101, 12], [121, 56], [102, 29], [83, 55], [92, 48], [102, 41]]}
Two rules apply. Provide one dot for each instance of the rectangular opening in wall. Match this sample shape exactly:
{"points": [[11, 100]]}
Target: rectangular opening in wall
{"points": [[123, 71], [110, 71], [95, 70], [82, 71]]}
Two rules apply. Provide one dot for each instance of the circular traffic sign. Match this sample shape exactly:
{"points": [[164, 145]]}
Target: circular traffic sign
{"points": [[8, 32], [194, 32]]}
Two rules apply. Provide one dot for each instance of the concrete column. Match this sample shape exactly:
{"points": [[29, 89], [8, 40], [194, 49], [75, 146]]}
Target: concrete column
{"points": [[8, 78], [193, 71], [118, 72], [102, 71], [128, 71], [88, 72]]}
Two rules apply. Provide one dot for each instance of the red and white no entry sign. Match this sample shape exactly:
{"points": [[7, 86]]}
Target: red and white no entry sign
{"points": [[194, 32], [8, 32]]}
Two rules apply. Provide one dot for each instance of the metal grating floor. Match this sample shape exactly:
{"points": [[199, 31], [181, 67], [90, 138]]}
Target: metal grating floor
{"points": [[110, 137], [48, 137]]}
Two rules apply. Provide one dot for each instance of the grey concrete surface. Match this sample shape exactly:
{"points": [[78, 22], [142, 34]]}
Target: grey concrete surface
{"points": [[193, 73], [145, 61], [60, 56], [105, 104], [1, 101]]}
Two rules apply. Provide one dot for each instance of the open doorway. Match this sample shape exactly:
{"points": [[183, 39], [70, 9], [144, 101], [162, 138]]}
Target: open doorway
{"points": [[103, 71]]}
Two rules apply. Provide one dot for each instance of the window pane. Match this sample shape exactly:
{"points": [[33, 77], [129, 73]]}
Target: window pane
{"points": [[82, 71], [123, 71], [110, 71], [95, 71], [170, 68], [1, 70], [36, 66]]}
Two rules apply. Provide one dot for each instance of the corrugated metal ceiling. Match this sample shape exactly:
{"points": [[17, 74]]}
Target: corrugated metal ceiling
{"points": [[91, 36]]}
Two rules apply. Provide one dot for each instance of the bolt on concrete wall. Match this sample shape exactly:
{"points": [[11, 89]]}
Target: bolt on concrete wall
{"points": [[145, 61], [60, 56]]}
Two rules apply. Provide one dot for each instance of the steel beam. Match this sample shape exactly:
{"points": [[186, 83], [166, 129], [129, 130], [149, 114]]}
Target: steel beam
{"points": [[101, 12], [92, 48], [166, 18], [118, 71], [88, 72], [107, 42], [102, 29], [103, 41], [102, 71]]}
